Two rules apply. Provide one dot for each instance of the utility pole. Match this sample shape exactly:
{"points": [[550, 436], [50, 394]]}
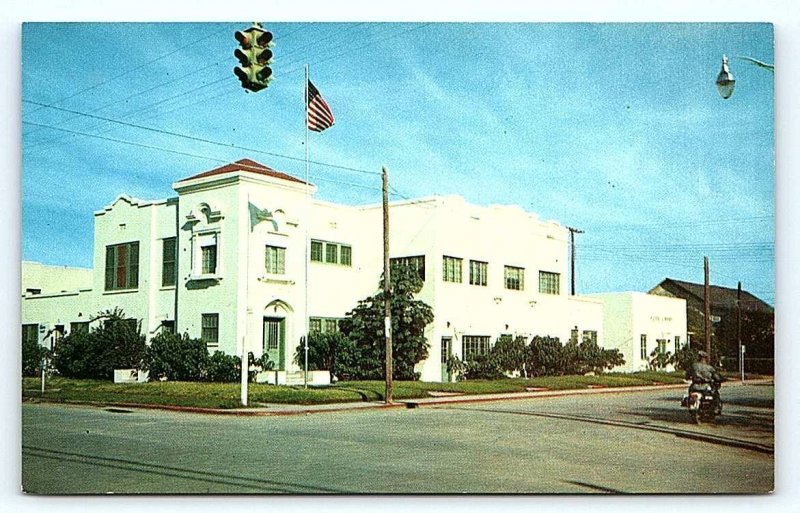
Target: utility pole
{"points": [[572, 232], [386, 288], [707, 309], [739, 328]]}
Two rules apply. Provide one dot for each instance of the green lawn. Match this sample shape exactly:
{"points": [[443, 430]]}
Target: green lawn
{"points": [[226, 395], [374, 390], [177, 393]]}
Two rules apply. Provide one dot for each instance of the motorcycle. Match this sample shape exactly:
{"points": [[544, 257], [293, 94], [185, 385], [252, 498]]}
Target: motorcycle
{"points": [[703, 401]]}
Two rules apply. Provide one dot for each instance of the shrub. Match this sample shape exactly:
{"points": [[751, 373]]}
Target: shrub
{"points": [[32, 356], [544, 357], [683, 358], [223, 368], [483, 366], [176, 358], [595, 359], [116, 344], [510, 354], [659, 360], [76, 356], [456, 368], [324, 352]]}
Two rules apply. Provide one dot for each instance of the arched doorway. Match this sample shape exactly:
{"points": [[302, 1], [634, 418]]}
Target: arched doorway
{"points": [[275, 332]]}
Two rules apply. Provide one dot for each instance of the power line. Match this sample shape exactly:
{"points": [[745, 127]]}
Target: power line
{"points": [[145, 108], [639, 258], [370, 43], [196, 155], [158, 86], [335, 32], [196, 139], [709, 222], [171, 81], [199, 139], [358, 48], [141, 145], [117, 77]]}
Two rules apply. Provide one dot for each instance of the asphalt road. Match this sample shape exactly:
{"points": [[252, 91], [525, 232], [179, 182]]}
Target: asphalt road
{"points": [[639, 442]]}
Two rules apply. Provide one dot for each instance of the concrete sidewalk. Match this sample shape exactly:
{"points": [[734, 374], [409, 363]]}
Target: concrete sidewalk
{"points": [[275, 409], [433, 401]]}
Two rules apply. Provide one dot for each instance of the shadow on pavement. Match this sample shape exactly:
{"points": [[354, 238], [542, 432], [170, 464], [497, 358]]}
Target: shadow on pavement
{"points": [[749, 402], [754, 422]]}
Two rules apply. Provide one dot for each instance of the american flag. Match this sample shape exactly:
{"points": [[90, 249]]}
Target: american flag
{"points": [[319, 115]]}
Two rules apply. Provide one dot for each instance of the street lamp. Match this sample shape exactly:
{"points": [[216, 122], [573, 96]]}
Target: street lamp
{"points": [[725, 81]]}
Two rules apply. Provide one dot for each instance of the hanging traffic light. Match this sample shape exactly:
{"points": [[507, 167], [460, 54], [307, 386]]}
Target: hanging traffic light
{"points": [[255, 57]]}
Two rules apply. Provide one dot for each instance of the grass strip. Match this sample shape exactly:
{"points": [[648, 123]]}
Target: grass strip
{"points": [[226, 395]]}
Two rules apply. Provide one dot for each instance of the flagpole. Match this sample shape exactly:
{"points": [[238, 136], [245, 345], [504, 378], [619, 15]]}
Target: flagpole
{"points": [[307, 241], [245, 361]]}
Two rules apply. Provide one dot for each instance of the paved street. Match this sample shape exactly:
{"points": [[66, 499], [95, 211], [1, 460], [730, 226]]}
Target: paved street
{"points": [[626, 442]]}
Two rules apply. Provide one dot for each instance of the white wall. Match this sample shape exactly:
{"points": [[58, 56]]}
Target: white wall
{"points": [[242, 293], [629, 315], [147, 222], [54, 278]]}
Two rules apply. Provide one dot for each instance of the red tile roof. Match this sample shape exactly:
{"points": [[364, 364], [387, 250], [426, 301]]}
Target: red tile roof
{"points": [[248, 165]]}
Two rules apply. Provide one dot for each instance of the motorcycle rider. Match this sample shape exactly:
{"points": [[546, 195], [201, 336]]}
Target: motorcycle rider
{"points": [[702, 373]]}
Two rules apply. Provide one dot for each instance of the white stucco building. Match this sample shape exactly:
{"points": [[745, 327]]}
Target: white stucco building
{"points": [[198, 264], [637, 324]]}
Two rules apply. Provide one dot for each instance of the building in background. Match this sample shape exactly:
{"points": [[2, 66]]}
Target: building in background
{"points": [[225, 261], [639, 324], [758, 323]]}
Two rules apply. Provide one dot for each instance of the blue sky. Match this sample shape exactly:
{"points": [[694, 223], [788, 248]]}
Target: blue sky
{"points": [[616, 129]]}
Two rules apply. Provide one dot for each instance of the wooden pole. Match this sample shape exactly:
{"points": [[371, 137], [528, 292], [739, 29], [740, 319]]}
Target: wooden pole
{"points": [[739, 328], [707, 309], [572, 232], [387, 289]]}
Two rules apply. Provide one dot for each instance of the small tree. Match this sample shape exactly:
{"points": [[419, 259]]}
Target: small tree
{"points": [[364, 326], [77, 356]]}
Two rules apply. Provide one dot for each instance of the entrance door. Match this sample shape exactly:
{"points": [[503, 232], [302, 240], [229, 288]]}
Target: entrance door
{"points": [[447, 343], [275, 340]]}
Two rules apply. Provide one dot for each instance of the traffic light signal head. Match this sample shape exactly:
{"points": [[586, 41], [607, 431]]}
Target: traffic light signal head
{"points": [[254, 57]]}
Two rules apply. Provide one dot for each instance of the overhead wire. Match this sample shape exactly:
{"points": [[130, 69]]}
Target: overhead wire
{"points": [[151, 106], [350, 184], [370, 43], [120, 75], [158, 86]]}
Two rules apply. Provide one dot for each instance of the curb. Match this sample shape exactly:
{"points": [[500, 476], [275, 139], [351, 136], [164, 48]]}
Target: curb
{"points": [[400, 403], [237, 412], [467, 399]]}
